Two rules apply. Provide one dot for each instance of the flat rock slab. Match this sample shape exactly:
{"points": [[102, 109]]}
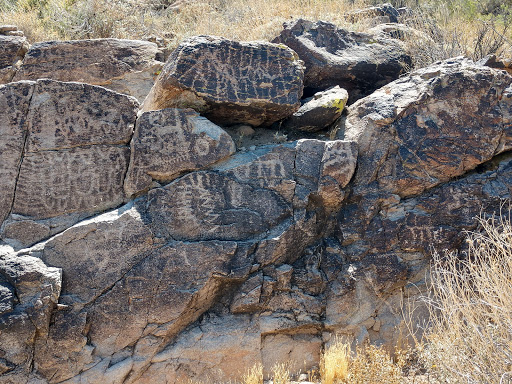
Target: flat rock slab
{"points": [[113, 63], [230, 82], [169, 142], [358, 62], [66, 153], [12, 51], [226, 209], [85, 179], [320, 111], [431, 126]]}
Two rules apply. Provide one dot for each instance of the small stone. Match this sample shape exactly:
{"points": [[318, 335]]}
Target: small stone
{"points": [[15, 33], [320, 111]]}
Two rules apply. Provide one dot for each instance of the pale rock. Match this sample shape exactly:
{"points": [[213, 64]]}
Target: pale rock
{"points": [[319, 112], [12, 50], [129, 66]]}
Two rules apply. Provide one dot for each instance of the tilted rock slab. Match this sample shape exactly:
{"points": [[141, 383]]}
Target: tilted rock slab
{"points": [[136, 277], [14, 102], [170, 142], [358, 62], [319, 112], [125, 66], [230, 82], [66, 158], [12, 51]]}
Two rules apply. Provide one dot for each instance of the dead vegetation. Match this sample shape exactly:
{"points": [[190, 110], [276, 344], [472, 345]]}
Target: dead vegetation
{"points": [[443, 29]]}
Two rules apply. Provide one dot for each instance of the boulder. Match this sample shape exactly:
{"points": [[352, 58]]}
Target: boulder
{"points": [[319, 111], [126, 66], [170, 142], [358, 62], [429, 127], [230, 82], [74, 156], [12, 51]]}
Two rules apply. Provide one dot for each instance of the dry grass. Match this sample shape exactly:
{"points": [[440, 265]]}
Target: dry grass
{"points": [[254, 375], [446, 28], [237, 19], [280, 374], [470, 339], [369, 364], [335, 362]]}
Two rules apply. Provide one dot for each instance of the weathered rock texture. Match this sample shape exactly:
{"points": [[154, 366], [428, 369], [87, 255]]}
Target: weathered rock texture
{"points": [[260, 256], [379, 14], [12, 50], [169, 142], [229, 82], [144, 264], [65, 155], [126, 66], [358, 62]]}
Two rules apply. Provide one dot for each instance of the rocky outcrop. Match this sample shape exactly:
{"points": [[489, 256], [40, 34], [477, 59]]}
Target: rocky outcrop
{"points": [[319, 111], [126, 66], [146, 249], [230, 82], [144, 264], [358, 62]]}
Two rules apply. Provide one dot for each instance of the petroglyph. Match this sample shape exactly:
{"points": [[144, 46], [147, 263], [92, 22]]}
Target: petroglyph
{"points": [[230, 82], [66, 115], [207, 206], [14, 103], [86, 179], [171, 141]]}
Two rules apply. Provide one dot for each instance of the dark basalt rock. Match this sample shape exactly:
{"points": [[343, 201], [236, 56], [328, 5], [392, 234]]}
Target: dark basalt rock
{"points": [[358, 62], [230, 82]]}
